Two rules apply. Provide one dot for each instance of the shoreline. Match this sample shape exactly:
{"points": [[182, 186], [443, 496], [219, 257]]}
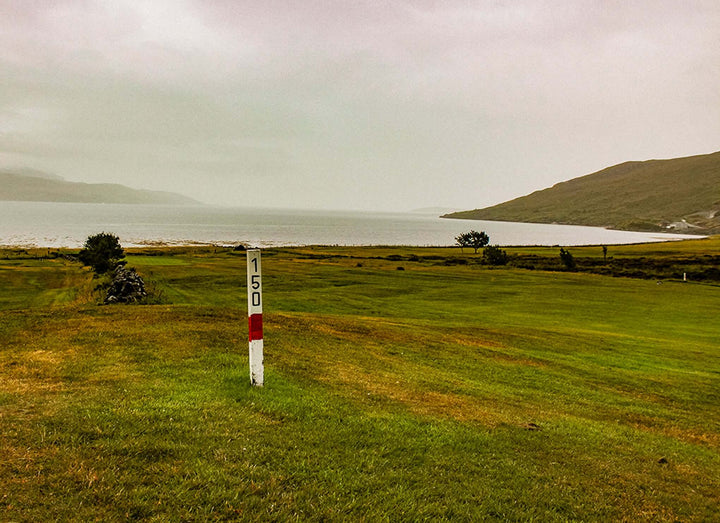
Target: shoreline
{"points": [[160, 244], [68, 226]]}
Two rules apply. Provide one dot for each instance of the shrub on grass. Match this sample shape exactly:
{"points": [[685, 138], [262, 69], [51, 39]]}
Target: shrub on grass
{"points": [[567, 259], [102, 252], [494, 255]]}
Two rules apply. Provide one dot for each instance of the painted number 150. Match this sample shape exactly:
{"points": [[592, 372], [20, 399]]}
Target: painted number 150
{"points": [[255, 284]]}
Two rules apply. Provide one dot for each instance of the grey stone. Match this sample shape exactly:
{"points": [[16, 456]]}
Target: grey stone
{"points": [[126, 287]]}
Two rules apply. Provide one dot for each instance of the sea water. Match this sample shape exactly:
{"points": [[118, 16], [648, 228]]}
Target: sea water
{"points": [[45, 224]]}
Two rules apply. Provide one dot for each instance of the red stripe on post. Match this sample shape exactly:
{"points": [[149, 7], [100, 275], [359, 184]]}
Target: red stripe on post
{"points": [[255, 330]]}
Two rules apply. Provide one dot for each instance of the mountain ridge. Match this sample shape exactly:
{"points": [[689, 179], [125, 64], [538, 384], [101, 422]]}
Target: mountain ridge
{"points": [[679, 194], [32, 185]]}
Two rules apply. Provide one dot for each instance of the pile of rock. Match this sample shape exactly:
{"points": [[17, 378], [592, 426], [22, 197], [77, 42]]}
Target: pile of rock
{"points": [[127, 286]]}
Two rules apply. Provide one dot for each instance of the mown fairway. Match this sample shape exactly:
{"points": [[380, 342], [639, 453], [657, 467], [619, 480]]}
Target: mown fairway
{"points": [[434, 392]]}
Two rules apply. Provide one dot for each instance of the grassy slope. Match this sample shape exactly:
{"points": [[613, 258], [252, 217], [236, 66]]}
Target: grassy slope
{"points": [[632, 195], [14, 187], [390, 394]]}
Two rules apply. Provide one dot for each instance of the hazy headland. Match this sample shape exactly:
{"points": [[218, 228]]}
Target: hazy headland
{"points": [[681, 194], [36, 186]]}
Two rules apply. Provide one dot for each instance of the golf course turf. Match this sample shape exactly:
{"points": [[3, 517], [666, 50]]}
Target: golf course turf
{"points": [[442, 391]]}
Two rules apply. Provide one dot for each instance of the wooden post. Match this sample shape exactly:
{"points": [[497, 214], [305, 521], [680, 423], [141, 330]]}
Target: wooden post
{"points": [[255, 320]]}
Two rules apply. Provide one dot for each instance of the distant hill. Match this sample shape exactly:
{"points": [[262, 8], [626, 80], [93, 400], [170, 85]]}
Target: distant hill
{"points": [[33, 173], [681, 195], [31, 185]]}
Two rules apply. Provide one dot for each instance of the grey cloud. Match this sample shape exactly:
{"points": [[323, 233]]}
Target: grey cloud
{"points": [[354, 104]]}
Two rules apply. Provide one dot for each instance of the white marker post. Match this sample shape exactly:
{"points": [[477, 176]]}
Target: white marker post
{"points": [[255, 322]]}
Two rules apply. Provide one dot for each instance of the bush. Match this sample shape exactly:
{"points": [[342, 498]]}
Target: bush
{"points": [[102, 252], [567, 259], [494, 255]]}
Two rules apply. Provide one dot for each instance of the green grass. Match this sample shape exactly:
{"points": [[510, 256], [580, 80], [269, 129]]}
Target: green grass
{"points": [[437, 392]]}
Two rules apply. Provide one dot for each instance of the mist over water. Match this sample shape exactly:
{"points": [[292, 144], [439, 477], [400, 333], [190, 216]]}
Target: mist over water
{"points": [[44, 224]]}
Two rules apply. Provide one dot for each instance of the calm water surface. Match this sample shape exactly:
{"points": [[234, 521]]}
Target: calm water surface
{"points": [[68, 224]]}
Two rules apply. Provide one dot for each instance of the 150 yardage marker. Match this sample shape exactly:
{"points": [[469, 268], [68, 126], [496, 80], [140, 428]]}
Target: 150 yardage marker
{"points": [[255, 320]]}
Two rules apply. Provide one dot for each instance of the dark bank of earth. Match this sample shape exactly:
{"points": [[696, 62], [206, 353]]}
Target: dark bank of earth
{"points": [[670, 266]]}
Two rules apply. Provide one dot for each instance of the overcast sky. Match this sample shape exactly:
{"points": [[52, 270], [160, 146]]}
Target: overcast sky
{"points": [[357, 104]]}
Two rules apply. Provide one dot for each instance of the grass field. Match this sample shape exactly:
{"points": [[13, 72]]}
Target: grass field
{"points": [[439, 392]]}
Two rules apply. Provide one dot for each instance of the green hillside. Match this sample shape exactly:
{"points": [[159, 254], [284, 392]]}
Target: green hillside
{"points": [[681, 194], [18, 185]]}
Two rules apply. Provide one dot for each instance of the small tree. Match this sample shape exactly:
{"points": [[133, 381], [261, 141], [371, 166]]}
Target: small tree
{"points": [[463, 240], [473, 239], [102, 252], [478, 240], [567, 259], [494, 255]]}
